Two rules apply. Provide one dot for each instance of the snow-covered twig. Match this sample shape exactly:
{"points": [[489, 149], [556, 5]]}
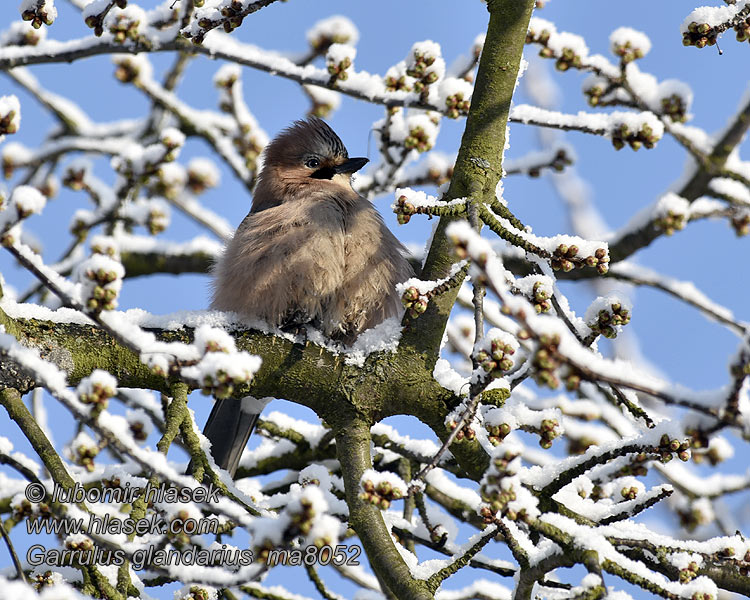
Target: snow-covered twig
{"points": [[228, 15], [683, 290]]}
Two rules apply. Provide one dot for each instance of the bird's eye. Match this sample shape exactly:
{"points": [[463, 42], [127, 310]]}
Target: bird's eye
{"points": [[313, 163]]}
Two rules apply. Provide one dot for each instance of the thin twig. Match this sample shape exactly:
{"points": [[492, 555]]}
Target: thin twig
{"points": [[13, 555]]}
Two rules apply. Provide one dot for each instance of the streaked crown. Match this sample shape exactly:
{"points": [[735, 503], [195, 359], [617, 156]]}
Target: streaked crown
{"points": [[305, 138]]}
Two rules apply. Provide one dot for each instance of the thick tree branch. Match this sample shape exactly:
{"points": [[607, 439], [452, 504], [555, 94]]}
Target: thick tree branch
{"points": [[353, 446], [479, 163]]}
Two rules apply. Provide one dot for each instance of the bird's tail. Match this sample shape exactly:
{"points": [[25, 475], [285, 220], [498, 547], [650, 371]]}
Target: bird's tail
{"points": [[228, 428]]}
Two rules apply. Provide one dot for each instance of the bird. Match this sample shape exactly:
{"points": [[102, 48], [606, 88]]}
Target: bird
{"points": [[311, 252]]}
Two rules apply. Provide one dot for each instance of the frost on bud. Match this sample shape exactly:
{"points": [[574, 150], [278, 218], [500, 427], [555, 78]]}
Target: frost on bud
{"points": [[324, 101], [333, 30], [10, 115], [153, 214], [27, 201], [218, 372], [546, 361], [635, 130], [97, 388], [227, 76], [698, 34], [339, 60], [75, 175], [594, 88], [404, 210], [171, 179], [673, 98], [202, 174], [548, 431], [129, 67], [740, 221], [414, 302], [426, 65], [22, 34], [629, 44], [422, 133], [478, 45], [139, 163], [13, 156], [38, 12], [139, 423], [671, 213], [396, 79], [380, 489], [105, 245], [501, 490], [49, 187], [158, 219], [538, 289], [540, 31], [494, 351], [456, 95], [82, 451], [172, 138], [196, 592], [607, 315], [696, 513], [158, 363], [95, 12], [568, 49], [213, 339], [101, 279], [125, 23], [10, 236]]}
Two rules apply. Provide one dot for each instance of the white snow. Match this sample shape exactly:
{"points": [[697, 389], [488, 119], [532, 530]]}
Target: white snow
{"points": [[10, 115], [46, 10], [204, 170], [340, 57], [713, 15], [628, 37], [337, 28], [215, 367], [737, 191], [602, 124]]}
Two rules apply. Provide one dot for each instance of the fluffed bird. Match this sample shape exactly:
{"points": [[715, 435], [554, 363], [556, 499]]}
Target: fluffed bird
{"points": [[311, 252]]}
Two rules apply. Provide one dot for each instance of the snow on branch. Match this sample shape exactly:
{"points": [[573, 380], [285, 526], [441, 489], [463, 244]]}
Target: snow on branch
{"points": [[669, 214], [10, 115], [634, 129], [38, 12], [227, 14], [702, 26], [137, 70], [684, 290], [361, 85], [557, 346]]}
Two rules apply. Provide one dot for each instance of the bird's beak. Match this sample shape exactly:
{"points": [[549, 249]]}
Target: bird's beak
{"points": [[351, 166]]}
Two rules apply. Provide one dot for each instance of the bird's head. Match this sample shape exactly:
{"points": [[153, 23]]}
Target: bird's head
{"points": [[309, 153]]}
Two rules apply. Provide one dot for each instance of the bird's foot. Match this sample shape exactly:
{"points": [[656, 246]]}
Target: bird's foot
{"points": [[296, 324], [296, 329]]}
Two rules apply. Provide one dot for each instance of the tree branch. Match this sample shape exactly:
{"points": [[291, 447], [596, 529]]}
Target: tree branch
{"points": [[479, 163]]}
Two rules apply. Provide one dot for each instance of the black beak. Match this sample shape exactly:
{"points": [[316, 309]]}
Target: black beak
{"points": [[351, 166]]}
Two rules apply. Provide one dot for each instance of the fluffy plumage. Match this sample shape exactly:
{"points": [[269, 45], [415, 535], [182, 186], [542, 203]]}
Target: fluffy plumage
{"points": [[311, 251]]}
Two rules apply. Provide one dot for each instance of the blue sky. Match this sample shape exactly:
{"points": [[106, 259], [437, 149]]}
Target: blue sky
{"points": [[687, 347]]}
